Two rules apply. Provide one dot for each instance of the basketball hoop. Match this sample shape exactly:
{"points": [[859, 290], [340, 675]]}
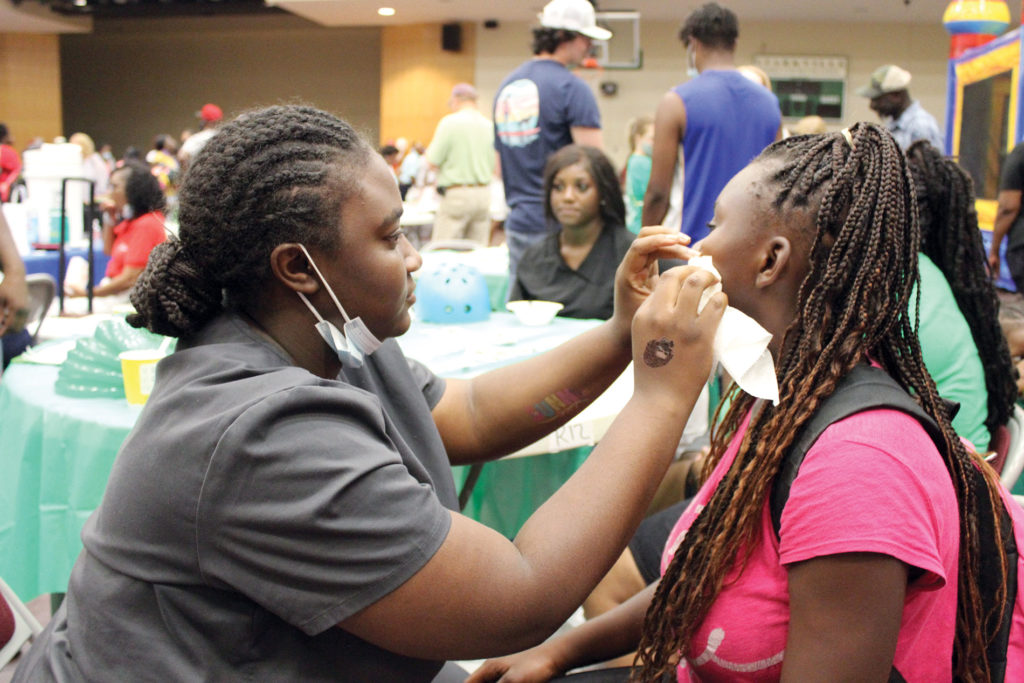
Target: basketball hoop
{"points": [[590, 70]]}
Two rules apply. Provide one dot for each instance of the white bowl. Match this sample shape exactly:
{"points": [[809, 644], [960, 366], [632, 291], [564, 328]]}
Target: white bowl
{"points": [[534, 312]]}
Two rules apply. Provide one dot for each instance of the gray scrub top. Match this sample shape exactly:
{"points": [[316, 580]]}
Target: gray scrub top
{"points": [[586, 292], [252, 508]]}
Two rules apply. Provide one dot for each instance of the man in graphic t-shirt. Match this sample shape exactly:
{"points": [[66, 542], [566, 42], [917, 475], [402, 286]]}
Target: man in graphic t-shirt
{"points": [[540, 108]]}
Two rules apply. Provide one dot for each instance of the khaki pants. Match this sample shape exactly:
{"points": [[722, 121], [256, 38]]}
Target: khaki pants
{"points": [[464, 214]]}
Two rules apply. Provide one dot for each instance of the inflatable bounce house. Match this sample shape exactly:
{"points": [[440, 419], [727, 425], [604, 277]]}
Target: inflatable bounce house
{"points": [[984, 119]]}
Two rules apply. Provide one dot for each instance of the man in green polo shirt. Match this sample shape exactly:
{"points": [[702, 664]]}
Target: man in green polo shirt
{"points": [[463, 152]]}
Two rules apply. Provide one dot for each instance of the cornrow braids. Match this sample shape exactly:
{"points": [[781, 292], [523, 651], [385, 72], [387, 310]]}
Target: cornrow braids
{"points": [[951, 239], [852, 304], [272, 175]]}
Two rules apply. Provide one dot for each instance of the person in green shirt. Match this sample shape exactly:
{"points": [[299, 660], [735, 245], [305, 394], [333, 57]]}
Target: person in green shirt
{"points": [[963, 345], [638, 170], [462, 152]]}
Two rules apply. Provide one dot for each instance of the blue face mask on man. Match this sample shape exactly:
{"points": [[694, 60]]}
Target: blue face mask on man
{"points": [[356, 343]]}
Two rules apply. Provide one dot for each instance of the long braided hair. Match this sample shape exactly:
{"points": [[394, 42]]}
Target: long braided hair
{"points": [[853, 303], [272, 175], [951, 239]]}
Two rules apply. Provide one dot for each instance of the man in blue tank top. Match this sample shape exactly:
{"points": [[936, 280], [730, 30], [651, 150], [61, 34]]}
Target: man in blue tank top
{"points": [[719, 118]]}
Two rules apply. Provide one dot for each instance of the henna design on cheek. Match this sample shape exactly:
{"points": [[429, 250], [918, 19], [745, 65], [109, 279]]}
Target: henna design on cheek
{"points": [[658, 352]]}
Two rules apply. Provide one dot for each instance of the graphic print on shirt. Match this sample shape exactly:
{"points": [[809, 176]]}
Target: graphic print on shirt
{"points": [[517, 113], [669, 552], [715, 639]]}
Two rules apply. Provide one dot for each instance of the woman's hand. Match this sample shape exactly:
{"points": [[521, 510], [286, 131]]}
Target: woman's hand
{"points": [[637, 275], [535, 665], [672, 342], [993, 265], [73, 290], [108, 207]]}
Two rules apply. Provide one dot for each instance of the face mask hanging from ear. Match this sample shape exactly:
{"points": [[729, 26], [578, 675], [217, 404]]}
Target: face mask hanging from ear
{"points": [[691, 63], [356, 343]]}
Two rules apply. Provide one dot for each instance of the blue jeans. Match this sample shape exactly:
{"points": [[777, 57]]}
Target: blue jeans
{"points": [[14, 343]]}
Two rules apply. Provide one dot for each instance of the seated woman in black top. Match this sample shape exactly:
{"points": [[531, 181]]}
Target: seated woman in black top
{"points": [[576, 264]]}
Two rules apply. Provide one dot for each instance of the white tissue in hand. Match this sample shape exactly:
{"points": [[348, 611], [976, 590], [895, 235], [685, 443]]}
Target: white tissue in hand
{"points": [[740, 344]]}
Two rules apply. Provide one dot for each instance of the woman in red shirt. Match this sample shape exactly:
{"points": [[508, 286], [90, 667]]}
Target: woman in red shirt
{"points": [[10, 164], [133, 223]]}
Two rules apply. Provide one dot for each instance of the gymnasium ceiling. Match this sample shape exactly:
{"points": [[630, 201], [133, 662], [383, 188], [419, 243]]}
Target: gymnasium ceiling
{"points": [[52, 15]]}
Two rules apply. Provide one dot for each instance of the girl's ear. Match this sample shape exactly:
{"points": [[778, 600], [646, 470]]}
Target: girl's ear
{"points": [[775, 257], [291, 267]]}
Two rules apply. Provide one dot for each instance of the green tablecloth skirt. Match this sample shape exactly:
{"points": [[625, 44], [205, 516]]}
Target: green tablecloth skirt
{"points": [[509, 491], [55, 457]]}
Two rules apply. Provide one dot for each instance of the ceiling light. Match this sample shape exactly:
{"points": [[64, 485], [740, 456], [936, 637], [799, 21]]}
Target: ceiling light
{"points": [[386, 11]]}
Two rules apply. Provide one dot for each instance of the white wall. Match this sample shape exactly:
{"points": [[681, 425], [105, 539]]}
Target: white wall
{"points": [[922, 49]]}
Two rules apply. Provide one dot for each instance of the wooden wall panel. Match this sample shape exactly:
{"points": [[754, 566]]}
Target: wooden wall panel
{"points": [[133, 78], [417, 77], [30, 94]]}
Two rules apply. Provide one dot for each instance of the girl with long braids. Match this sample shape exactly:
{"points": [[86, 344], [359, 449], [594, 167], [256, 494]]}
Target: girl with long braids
{"points": [[875, 572], [963, 346], [284, 508]]}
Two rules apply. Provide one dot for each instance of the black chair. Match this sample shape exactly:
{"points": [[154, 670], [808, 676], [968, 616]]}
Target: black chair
{"points": [[42, 289]]}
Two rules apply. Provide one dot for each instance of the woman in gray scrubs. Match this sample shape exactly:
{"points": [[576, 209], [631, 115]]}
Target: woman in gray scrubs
{"points": [[284, 508]]}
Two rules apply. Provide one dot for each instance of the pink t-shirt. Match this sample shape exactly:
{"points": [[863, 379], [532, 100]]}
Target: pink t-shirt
{"points": [[873, 482]]}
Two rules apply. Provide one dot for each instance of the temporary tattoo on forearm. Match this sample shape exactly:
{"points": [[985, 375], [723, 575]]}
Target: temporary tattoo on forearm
{"points": [[658, 352], [556, 404]]}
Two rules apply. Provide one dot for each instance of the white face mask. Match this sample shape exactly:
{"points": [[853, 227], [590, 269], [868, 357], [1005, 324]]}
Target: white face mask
{"points": [[356, 343], [691, 63]]}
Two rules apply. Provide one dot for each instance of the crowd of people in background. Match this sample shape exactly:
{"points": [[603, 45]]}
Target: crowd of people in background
{"points": [[134, 200], [166, 158]]}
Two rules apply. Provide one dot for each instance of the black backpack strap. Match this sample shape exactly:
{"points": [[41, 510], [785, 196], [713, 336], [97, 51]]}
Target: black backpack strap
{"points": [[864, 388], [869, 388]]}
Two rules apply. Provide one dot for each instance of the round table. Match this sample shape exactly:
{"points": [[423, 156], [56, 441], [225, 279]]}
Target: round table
{"points": [[48, 261], [56, 452]]}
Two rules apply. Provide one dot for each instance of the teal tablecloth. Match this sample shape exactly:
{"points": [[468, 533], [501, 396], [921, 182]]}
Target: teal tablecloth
{"points": [[55, 456], [56, 452]]}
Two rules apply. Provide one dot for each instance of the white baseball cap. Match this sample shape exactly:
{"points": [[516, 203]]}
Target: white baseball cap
{"points": [[573, 15], [888, 78]]}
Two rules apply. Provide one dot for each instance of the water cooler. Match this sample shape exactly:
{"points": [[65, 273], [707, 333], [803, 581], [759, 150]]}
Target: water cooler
{"points": [[45, 170]]}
